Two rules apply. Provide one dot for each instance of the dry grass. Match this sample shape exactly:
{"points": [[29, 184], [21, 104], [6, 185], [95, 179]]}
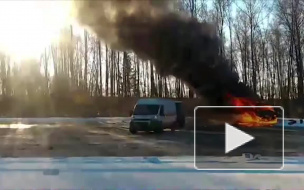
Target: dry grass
{"points": [[104, 107]]}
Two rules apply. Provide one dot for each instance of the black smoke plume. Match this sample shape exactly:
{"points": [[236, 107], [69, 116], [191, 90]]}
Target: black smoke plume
{"points": [[177, 45]]}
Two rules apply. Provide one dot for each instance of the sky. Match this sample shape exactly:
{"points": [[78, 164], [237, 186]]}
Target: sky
{"points": [[28, 26]]}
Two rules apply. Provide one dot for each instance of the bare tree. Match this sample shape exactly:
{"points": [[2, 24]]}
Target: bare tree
{"points": [[85, 59]]}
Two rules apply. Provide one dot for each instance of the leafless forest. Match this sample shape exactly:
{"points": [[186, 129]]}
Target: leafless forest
{"points": [[82, 76]]}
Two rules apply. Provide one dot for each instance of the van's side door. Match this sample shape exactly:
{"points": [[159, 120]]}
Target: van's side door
{"points": [[163, 117]]}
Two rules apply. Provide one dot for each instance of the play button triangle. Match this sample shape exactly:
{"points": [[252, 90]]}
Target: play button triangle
{"points": [[235, 138]]}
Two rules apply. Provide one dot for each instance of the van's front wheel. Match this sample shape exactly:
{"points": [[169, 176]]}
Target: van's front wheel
{"points": [[158, 128], [132, 129]]}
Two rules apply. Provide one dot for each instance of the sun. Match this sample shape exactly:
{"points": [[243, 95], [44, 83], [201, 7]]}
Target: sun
{"points": [[27, 27]]}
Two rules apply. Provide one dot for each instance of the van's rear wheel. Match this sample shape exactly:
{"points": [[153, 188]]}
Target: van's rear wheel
{"points": [[181, 124], [174, 126]]}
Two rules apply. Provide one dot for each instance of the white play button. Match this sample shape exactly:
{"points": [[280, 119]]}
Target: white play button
{"points": [[235, 138]]}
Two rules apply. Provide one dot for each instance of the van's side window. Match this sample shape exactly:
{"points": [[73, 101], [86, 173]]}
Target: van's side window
{"points": [[161, 111]]}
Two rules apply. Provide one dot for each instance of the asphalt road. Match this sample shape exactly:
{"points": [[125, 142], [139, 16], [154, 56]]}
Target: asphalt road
{"points": [[68, 139]]}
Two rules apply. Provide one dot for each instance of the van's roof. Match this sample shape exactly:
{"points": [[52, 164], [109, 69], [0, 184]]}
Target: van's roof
{"points": [[153, 100]]}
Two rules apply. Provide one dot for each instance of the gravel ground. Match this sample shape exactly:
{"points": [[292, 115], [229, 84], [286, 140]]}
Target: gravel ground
{"points": [[81, 140]]}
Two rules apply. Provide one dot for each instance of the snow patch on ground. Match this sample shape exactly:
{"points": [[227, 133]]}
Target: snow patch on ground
{"points": [[140, 173]]}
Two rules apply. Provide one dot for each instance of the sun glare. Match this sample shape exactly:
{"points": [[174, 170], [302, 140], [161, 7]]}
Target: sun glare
{"points": [[27, 27]]}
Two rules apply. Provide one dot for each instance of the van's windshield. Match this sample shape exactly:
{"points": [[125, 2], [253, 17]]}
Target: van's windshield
{"points": [[146, 109]]}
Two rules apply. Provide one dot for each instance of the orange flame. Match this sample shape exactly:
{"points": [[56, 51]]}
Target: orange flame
{"points": [[249, 117]]}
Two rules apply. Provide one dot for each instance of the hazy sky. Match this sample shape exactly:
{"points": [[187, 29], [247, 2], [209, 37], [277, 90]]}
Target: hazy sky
{"points": [[27, 27]]}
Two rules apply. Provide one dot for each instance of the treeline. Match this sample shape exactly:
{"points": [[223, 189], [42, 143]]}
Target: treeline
{"points": [[262, 39]]}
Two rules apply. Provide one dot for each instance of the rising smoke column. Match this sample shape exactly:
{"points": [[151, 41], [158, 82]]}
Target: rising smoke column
{"points": [[177, 45]]}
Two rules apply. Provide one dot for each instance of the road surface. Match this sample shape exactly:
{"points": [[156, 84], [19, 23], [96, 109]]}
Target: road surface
{"points": [[111, 138]]}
